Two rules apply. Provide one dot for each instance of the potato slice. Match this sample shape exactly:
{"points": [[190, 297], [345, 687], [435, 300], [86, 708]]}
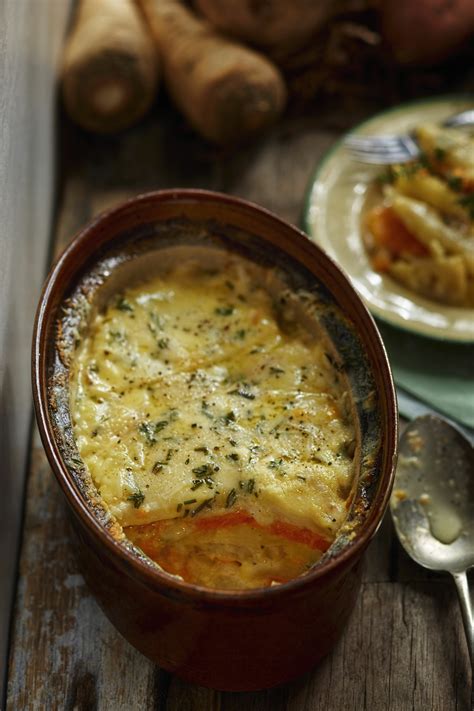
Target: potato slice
{"points": [[444, 279]]}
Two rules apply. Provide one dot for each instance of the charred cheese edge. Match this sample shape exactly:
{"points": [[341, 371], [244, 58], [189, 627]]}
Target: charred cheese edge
{"points": [[191, 395]]}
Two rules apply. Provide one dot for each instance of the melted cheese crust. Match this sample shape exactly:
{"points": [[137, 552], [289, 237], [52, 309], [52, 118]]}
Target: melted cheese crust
{"points": [[190, 395]]}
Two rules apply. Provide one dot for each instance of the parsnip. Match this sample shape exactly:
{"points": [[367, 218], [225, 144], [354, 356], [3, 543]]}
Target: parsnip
{"points": [[227, 92], [110, 66]]}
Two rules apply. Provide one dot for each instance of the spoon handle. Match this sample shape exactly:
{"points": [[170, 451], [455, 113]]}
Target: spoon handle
{"points": [[468, 618]]}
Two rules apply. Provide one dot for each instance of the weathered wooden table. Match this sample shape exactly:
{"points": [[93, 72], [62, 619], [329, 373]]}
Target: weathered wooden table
{"points": [[403, 648]]}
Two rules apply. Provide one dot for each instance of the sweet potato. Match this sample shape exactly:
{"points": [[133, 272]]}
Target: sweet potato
{"points": [[271, 23], [426, 31], [390, 233]]}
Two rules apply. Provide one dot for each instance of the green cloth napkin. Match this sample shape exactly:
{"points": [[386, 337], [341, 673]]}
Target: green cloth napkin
{"points": [[439, 373]]}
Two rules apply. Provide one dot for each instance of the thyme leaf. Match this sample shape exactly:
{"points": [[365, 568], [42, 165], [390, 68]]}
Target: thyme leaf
{"points": [[243, 393], [150, 429], [231, 499], [224, 310], [123, 304], [137, 498], [203, 470]]}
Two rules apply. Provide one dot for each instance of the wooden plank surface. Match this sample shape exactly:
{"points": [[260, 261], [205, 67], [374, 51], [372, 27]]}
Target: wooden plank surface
{"points": [[403, 648], [31, 36]]}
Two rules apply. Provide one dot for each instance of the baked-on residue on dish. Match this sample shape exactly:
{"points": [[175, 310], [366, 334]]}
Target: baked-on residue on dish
{"points": [[216, 425]]}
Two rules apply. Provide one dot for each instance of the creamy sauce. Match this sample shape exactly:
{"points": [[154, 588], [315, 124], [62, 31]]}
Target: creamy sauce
{"points": [[216, 428], [445, 524]]}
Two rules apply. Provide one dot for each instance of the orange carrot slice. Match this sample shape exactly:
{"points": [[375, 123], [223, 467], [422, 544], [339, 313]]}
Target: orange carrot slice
{"points": [[299, 535], [390, 232], [278, 528]]}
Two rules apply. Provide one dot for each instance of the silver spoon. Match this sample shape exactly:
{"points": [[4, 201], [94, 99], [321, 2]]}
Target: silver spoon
{"points": [[432, 506]]}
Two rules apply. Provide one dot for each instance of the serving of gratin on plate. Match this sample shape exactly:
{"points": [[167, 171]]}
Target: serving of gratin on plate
{"points": [[405, 234]]}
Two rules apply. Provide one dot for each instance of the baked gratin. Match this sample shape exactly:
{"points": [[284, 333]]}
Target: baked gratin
{"points": [[216, 423], [422, 235]]}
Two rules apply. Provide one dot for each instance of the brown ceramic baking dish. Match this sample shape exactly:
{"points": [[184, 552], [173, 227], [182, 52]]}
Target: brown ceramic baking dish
{"points": [[223, 639]]}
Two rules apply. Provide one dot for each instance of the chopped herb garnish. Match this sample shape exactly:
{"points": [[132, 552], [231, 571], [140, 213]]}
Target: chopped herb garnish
{"points": [[455, 183], [137, 498], [337, 366], [196, 484], [224, 310], [250, 485], [233, 455], [163, 343], [179, 507], [467, 201], [156, 323], [274, 464], [386, 178], [207, 503], [201, 449], [117, 336], [229, 417], [439, 154], [231, 499], [150, 429], [157, 467], [301, 477], [189, 501], [243, 393], [76, 461], [240, 334], [203, 470], [276, 371], [205, 410], [123, 304]]}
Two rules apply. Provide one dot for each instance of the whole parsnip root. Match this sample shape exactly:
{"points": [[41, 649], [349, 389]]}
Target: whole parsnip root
{"points": [[226, 91], [110, 66]]}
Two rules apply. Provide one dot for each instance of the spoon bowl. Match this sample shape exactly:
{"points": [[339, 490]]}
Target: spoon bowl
{"points": [[432, 505], [433, 500]]}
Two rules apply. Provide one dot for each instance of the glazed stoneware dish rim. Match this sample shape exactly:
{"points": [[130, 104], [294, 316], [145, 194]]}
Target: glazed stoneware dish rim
{"points": [[149, 574]]}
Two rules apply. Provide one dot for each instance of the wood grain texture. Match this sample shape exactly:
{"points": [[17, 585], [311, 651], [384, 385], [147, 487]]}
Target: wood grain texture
{"points": [[403, 648], [30, 41]]}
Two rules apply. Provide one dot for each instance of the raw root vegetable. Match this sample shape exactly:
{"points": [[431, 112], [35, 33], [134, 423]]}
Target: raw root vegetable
{"points": [[426, 31], [110, 66], [226, 91], [273, 24]]}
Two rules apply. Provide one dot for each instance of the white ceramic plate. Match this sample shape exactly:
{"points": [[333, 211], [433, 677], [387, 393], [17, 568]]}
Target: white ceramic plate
{"points": [[336, 200]]}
